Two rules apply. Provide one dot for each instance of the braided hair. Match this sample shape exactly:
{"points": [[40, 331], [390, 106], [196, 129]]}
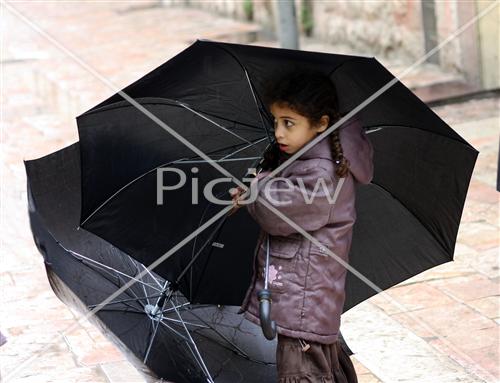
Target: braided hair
{"points": [[311, 94]]}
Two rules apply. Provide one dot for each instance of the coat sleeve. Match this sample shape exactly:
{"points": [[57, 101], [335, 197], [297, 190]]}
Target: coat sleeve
{"points": [[306, 199]]}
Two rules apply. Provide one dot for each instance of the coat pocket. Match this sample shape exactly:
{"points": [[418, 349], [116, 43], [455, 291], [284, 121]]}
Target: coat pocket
{"points": [[282, 262], [324, 269], [322, 249], [281, 247]]}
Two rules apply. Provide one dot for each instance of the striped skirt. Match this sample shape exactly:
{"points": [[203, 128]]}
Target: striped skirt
{"points": [[299, 361]]}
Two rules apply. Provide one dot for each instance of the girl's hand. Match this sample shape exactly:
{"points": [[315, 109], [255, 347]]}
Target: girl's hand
{"points": [[238, 191], [236, 195]]}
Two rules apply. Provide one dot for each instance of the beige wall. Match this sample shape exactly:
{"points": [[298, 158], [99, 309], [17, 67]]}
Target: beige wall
{"points": [[489, 37]]}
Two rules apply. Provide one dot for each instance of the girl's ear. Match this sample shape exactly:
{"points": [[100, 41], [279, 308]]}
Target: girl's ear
{"points": [[323, 123]]}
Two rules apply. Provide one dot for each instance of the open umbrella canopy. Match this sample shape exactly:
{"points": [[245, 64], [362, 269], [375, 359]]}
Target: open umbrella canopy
{"points": [[180, 342], [210, 94]]}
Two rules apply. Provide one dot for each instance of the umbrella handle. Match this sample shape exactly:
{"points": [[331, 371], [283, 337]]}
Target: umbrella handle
{"points": [[268, 325]]}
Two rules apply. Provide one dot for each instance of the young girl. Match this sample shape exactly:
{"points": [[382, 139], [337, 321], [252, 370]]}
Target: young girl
{"points": [[307, 285]]}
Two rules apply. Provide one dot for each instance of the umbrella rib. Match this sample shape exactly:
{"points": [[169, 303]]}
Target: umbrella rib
{"points": [[243, 148], [136, 296], [211, 121], [193, 255], [135, 265], [152, 276], [256, 104], [221, 335], [375, 128], [414, 215], [180, 306], [126, 311], [109, 273], [176, 321], [207, 372], [151, 341], [168, 101], [208, 326], [201, 364], [145, 294], [125, 300], [236, 349], [188, 341], [143, 287], [341, 65], [221, 160], [228, 51], [132, 292], [108, 267], [174, 330], [188, 266]]}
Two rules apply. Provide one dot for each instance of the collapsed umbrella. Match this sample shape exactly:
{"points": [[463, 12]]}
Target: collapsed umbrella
{"points": [[179, 341]]}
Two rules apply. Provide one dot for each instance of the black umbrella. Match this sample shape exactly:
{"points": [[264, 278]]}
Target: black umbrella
{"points": [[182, 342], [408, 217]]}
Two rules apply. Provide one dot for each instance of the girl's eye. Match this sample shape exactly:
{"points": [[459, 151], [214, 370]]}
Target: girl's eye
{"points": [[286, 123]]}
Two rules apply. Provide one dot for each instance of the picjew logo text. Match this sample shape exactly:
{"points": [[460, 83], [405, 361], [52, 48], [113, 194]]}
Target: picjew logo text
{"points": [[279, 191]]}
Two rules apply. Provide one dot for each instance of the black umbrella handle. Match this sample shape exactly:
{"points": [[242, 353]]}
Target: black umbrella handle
{"points": [[268, 325]]}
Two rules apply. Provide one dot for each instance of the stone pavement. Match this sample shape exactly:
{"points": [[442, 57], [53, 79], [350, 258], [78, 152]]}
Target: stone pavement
{"points": [[43, 89]]}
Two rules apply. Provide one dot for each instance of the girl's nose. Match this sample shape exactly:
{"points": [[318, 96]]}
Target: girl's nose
{"points": [[278, 132]]}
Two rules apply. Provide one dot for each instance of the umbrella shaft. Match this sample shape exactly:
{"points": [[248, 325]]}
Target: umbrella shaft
{"points": [[167, 292], [267, 264]]}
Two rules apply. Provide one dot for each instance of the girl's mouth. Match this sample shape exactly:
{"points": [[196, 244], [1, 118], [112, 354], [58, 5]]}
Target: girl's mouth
{"points": [[283, 147]]}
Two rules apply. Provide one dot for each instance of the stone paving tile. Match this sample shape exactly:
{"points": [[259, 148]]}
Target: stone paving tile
{"points": [[469, 287], [459, 325], [487, 262], [121, 372], [426, 322], [488, 357], [479, 235], [412, 297], [473, 339], [394, 354]]}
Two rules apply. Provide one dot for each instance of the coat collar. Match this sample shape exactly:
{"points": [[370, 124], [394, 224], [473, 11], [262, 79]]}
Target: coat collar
{"points": [[322, 149]]}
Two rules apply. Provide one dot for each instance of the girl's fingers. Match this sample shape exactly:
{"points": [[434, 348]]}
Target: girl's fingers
{"points": [[236, 191]]}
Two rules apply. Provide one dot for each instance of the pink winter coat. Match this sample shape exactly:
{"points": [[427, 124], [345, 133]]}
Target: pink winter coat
{"points": [[307, 287]]}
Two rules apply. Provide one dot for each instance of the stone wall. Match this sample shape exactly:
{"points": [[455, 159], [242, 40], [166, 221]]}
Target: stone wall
{"points": [[447, 25], [391, 30]]}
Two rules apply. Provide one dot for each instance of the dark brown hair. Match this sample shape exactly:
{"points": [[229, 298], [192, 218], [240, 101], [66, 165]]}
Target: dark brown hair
{"points": [[311, 94]]}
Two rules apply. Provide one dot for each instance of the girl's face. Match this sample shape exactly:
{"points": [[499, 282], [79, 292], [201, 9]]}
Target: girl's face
{"points": [[292, 130]]}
